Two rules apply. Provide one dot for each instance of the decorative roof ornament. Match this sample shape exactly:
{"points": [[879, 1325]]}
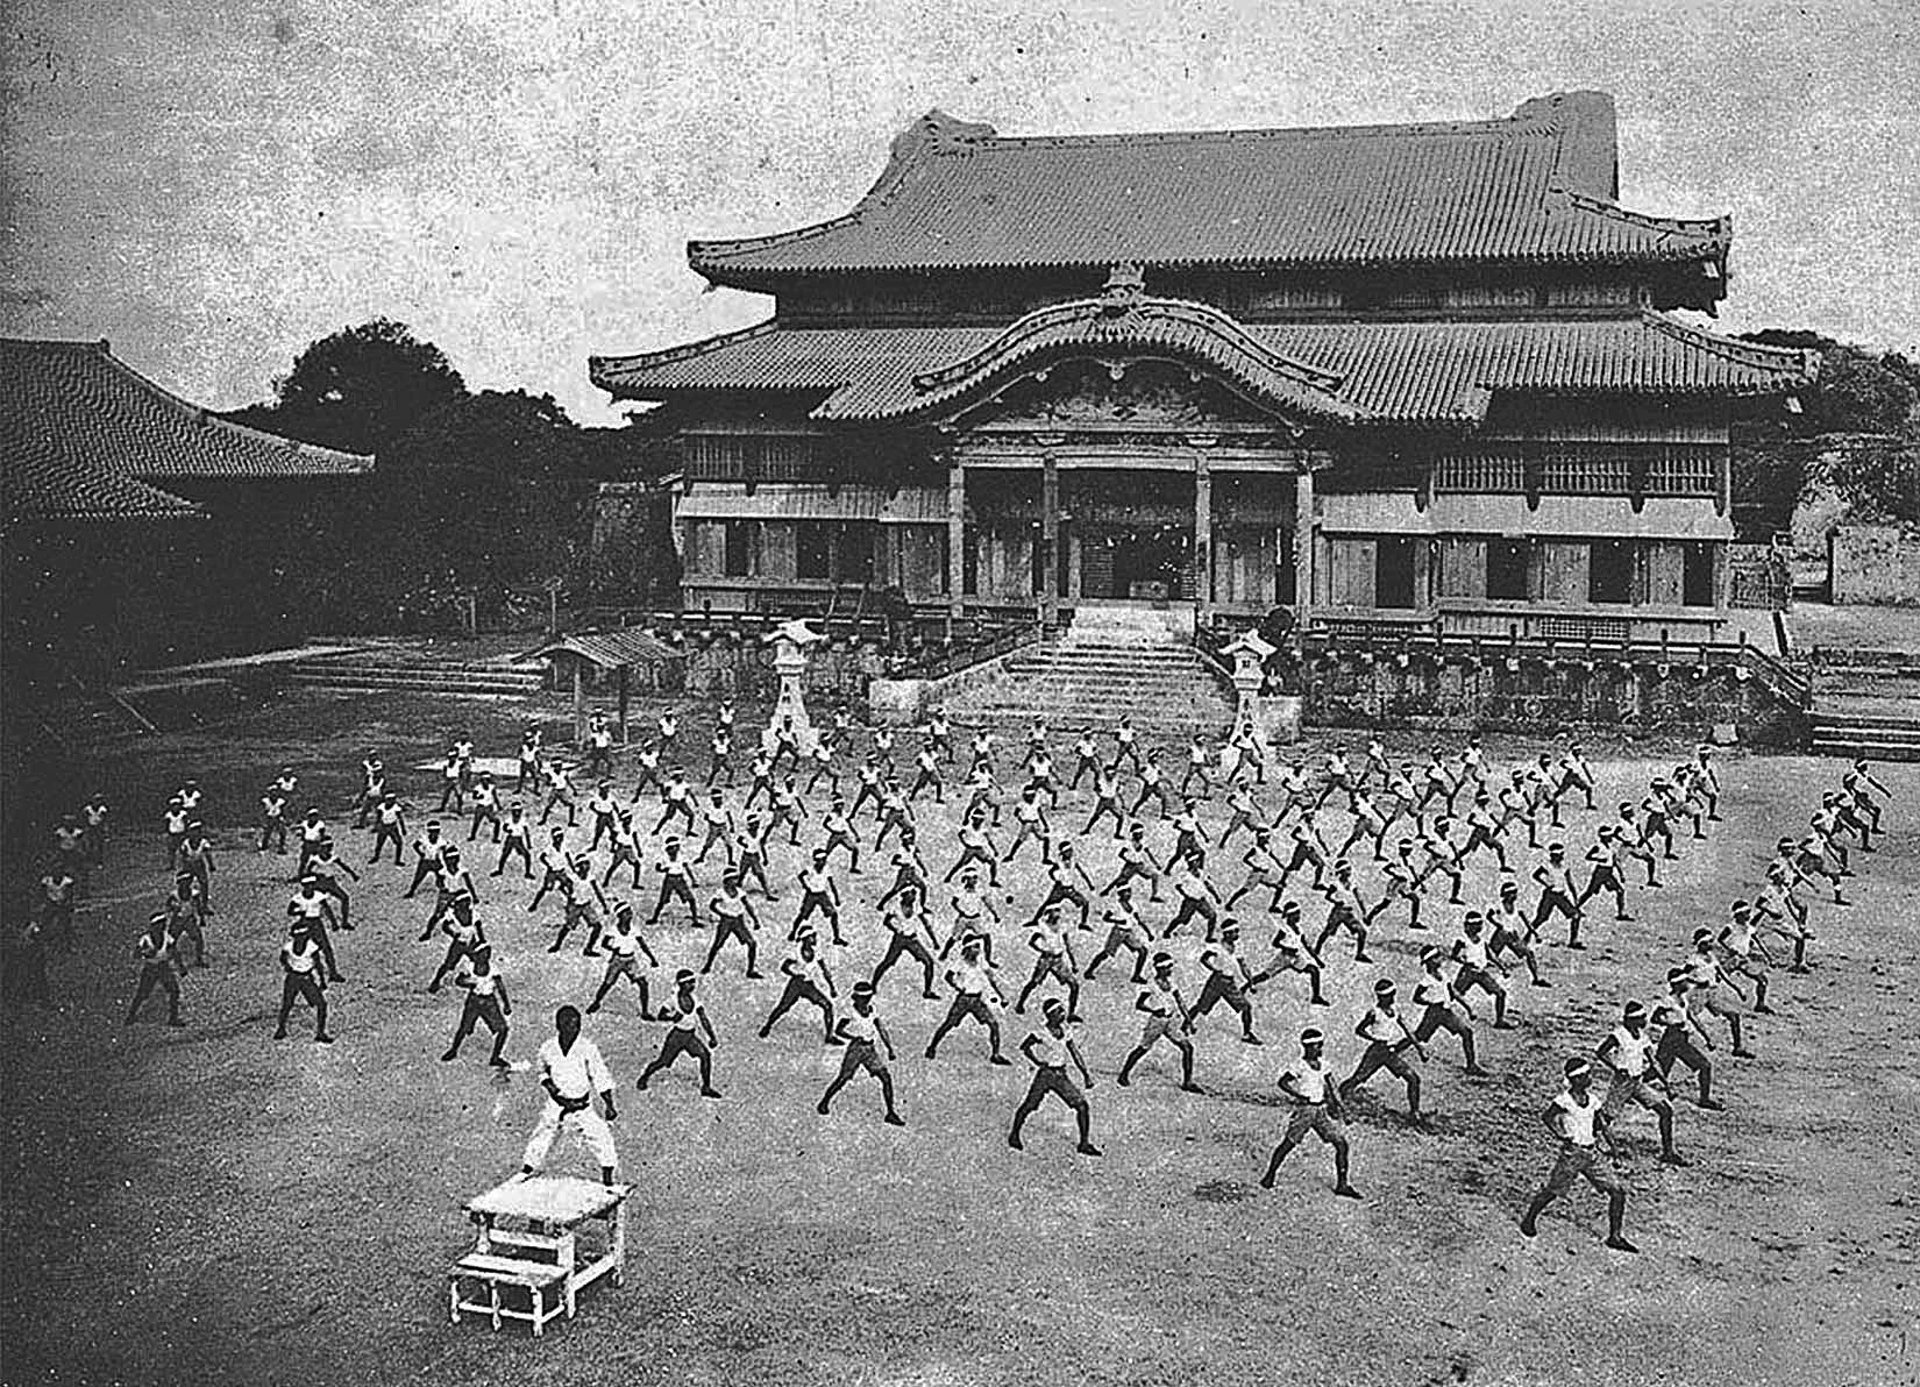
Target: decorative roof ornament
{"points": [[1124, 290]]}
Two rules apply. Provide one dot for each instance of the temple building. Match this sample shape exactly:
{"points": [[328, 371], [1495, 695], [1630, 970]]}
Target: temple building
{"points": [[1389, 374]]}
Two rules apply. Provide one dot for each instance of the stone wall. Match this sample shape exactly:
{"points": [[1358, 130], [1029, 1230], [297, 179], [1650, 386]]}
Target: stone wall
{"points": [[1875, 565], [631, 547], [1349, 690], [715, 665]]}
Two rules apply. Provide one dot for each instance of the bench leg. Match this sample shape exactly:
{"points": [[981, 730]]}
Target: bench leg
{"points": [[493, 1300], [453, 1300]]}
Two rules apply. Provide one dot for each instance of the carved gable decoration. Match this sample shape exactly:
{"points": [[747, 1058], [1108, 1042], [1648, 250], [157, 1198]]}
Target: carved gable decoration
{"points": [[1083, 393]]}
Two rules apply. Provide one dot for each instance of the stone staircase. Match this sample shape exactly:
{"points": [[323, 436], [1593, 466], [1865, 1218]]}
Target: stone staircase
{"points": [[401, 671], [1866, 703], [1109, 661]]}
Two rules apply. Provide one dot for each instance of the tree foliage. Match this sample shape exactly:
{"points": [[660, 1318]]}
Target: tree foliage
{"points": [[1856, 432], [483, 495], [361, 389]]}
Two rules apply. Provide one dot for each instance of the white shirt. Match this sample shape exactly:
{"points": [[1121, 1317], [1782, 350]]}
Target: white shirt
{"points": [[1310, 1080], [575, 1073], [1157, 999], [1050, 1049], [1631, 1053], [1577, 1118]]}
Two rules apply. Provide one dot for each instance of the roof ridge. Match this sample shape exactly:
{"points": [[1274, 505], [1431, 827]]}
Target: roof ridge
{"points": [[82, 344], [202, 415], [666, 356], [937, 135], [1759, 355], [1515, 124], [1716, 228]]}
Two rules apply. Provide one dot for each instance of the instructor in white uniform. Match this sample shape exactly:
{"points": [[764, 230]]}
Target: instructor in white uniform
{"points": [[572, 1071]]}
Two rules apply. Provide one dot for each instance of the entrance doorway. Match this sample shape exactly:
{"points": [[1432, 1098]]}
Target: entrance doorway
{"points": [[1146, 563]]}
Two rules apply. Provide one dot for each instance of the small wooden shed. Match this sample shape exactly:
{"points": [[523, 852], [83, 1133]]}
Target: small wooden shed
{"points": [[621, 651]]}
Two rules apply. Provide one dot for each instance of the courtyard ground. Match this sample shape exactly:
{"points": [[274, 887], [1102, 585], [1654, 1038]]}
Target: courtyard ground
{"points": [[207, 1205]]}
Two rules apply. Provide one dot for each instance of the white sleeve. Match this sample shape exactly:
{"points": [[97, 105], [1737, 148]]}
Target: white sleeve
{"points": [[597, 1072]]}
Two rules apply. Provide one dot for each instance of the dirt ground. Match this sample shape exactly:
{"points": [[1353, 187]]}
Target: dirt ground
{"points": [[207, 1205]]}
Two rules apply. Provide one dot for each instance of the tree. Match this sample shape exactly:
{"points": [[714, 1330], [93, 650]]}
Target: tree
{"points": [[361, 389], [1855, 432], [489, 489]]}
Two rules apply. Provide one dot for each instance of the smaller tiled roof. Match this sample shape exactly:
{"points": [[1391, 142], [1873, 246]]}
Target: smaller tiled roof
{"points": [[78, 401], [37, 484], [608, 649], [1376, 371], [1536, 187]]}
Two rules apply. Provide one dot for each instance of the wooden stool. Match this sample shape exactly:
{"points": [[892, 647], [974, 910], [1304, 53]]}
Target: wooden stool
{"points": [[496, 1272]]}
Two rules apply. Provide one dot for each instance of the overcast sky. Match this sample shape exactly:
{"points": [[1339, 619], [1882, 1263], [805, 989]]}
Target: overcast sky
{"points": [[212, 184]]}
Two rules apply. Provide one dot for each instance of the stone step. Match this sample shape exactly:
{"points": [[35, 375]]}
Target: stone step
{"points": [[1890, 686], [376, 665], [1865, 657], [1120, 663], [1097, 716], [414, 683], [1829, 720], [1871, 751], [1176, 698], [1117, 675]]}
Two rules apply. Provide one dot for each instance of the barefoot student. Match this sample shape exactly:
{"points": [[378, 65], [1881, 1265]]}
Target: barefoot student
{"points": [[971, 980], [572, 1071], [865, 1036], [689, 1032], [1577, 1117], [160, 966], [1167, 1019], [486, 1001], [301, 963], [1387, 1037], [1316, 1109], [1049, 1050]]}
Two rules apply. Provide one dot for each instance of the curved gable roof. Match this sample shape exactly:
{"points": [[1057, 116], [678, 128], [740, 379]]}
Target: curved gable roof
{"points": [[1126, 321]]}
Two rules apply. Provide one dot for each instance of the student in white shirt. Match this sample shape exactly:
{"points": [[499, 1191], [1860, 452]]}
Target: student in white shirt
{"points": [[486, 1001], [300, 963], [1577, 1117], [1316, 1108], [1049, 1050], [864, 1034]]}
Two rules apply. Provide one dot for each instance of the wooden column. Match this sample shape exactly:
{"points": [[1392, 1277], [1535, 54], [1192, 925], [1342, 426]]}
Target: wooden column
{"points": [[579, 701], [625, 671], [1049, 540], [1202, 537], [956, 542], [1302, 544]]}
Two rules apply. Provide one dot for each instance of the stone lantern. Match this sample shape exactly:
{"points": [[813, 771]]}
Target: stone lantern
{"points": [[1272, 718], [791, 642]]}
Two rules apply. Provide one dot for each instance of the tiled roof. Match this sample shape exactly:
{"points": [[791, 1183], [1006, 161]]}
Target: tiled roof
{"points": [[41, 484], [1376, 371], [73, 410], [608, 649], [1535, 187]]}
